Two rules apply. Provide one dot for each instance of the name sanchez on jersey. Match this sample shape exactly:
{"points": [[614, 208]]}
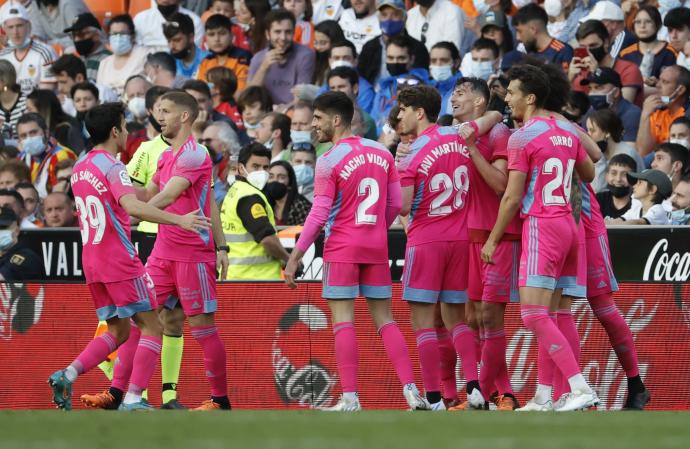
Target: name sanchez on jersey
{"points": [[90, 178], [359, 160], [441, 150]]}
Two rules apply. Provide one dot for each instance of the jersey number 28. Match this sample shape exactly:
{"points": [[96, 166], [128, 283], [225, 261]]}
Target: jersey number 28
{"points": [[92, 215], [442, 183], [561, 179]]}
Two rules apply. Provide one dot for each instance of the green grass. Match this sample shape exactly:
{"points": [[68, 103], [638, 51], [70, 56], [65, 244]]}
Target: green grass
{"points": [[370, 430]]}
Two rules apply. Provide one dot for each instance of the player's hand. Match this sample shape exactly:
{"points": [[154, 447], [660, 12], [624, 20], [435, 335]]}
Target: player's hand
{"points": [[488, 251], [194, 222], [467, 133], [402, 151], [222, 262], [291, 269]]}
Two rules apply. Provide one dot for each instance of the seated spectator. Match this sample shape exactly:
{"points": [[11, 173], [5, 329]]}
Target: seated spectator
{"points": [[62, 126], [611, 15], [359, 23], [616, 199], [564, 17], [325, 34], [12, 101], [650, 189], [70, 70], [58, 211], [593, 36], [606, 129], [40, 151], [680, 132], [12, 172], [285, 64], [300, 124], [17, 263], [89, 41], [325, 10], [84, 96], [8, 153], [303, 161], [223, 84], [274, 134], [343, 54], [372, 60], [493, 26], [433, 21], [32, 203], [127, 59], [253, 103], [222, 140], [649, 54], [249, 28], [31, 59], [444, 71], [304, 28], [346, 80], [50, 19], [179, 32], [677, 23], [13, 199], [680, 201], [222, 51], [63, 172], [135, 98], [659, 111], [289, 206], [160, 68], [149, 24], [482, 61], [207, 114], [673, 160], [222, 7]]}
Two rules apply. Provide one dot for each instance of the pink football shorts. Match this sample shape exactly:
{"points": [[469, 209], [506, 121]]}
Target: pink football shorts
{"points": [[497, 282], [123, 299], [600, 277], [343, 280], [580, 290], [436, 271], [193, 284]]}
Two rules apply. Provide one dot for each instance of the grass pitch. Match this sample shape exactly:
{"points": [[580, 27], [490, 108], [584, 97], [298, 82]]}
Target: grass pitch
{"points": [[318, 430]]}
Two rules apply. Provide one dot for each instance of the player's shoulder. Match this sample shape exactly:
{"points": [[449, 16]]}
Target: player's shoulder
{"points": [[530, 131], [376, 147], [567, 126], [193, 154], [103, 161]]}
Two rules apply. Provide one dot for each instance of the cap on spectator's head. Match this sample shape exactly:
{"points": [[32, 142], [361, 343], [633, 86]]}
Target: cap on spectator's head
{"points": [[397, 4], [7, 217], [13, 10], [654, 177], [492, 18], [605, 10], [85, 20], [603, 75]]}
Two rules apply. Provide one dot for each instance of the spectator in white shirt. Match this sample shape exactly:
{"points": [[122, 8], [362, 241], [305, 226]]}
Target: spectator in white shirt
{"points": [[433, 21], [50, 18], [650, 189], [149, 24], [360, 23], [326, 10]]}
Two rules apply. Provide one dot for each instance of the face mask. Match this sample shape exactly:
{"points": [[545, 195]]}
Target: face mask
{"points": [[340, 63], [396, 69], [679, 217], [300, 136], [34, 145], [481, 6], [603, 145], [269, 144], [22, 46], [483, 69], [258, 178], [648, 39], [441, 72], [120, 44], [6, 239], [248, 125], [683, 142], [137, 106], [598, 102], [81, 115], [155, 124], [181, 54], [619, 191], [598, 52], [84, 47], [391, 27], [425, 3], [304, 174], [553, 8], [167, 10], [276, 190]]}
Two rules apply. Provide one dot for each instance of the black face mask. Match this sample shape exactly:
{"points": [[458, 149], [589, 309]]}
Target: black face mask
{"points": [[167, 10], [619, 191], [425, 3], [396, 69], [598, 52], [155, 124], [81, 115], [603, 145], [649, 39], [84, 47], [181, 54], [276, 190]]}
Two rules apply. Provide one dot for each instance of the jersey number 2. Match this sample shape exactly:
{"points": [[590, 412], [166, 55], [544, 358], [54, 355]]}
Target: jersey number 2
{"points": [[92, 215], [370, 188], [551, 166]]}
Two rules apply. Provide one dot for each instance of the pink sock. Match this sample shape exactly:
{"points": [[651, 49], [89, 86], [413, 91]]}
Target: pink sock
{"points": [[478, 342], [214, 359], [448, 361], [465, 342], [503, 380], [536, 319], [618, 330], [567, 326], [95, 352], [429, 359], [493, 358], [394, 342], [125, 359], [545, 365], [346, 355], [145, 361]]}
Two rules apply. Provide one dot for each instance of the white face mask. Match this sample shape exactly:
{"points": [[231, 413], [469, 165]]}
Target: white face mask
{"points": [[137, 106], [683, 142], [553, 8], [258, 178], [481, 70], [231, 178], [300, 136], [340, 63], [441, 72]]}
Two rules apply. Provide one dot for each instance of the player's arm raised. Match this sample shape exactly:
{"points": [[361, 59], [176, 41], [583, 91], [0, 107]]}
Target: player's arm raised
{"points": [[507, 210], [191, 221], [173, 189], [495, 173], [483, 124]]}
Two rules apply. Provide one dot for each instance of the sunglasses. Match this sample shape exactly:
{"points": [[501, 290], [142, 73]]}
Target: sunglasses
{"points": [[302, 146], [408, 82]]}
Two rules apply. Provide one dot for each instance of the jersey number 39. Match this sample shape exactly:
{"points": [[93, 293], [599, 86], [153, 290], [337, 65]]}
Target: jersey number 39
{"points": [[92, 215]]}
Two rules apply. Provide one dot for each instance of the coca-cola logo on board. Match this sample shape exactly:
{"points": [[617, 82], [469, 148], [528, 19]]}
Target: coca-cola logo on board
{"points": [[664, 266]]}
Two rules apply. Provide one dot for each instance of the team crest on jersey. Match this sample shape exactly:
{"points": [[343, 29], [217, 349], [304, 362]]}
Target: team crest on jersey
{"points": [[125, 179], [32, 70], [330, 11]]}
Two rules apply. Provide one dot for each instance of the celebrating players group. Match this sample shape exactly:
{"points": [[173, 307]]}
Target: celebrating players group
{"points": [[457, 190]]}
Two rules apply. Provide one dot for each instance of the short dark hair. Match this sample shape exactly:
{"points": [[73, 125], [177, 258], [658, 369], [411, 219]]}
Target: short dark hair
{"points": [[486, 44], [185, 101], [197, 86], [592, 27], [677, 152], [84, 86], [422, 97], [253, 94], [653, 14], [477, 85], [101, 119], [283, 123], [624, 160], [71, 65], [18, 168], [401, 41], [558, 82], [683, 78], [178, 23], [153, 94], [14, 194], [32, 117], [532, 81], [609, 122], [347, 73], [218, 21], [454, 53], [278, 15], [308, 10], [26, 185], [578, 100], [126, 19], [226, 81], [529, 13], [343, 43], [253, 149], [677, 18], [336, 103], [164, 60], [682, 121]]}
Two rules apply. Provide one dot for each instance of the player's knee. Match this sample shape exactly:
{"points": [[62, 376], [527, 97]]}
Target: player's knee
{"points": [[120, 332]]}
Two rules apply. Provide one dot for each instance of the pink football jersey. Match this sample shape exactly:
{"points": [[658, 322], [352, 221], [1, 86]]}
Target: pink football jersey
{"points": [[547, 151], [591, 216], [98, 182], [438, 168], [192, 163], [356, 173]]}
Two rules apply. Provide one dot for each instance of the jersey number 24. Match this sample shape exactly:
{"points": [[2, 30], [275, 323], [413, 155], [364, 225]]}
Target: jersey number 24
{"points": [[554, 166]]}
